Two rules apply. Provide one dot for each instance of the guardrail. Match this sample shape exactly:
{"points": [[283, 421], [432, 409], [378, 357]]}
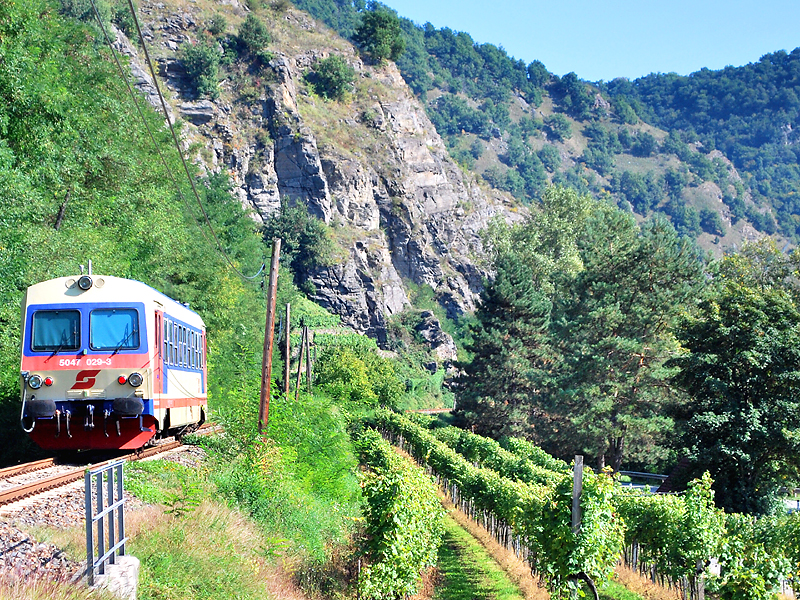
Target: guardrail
{"points": [[107, 512]]}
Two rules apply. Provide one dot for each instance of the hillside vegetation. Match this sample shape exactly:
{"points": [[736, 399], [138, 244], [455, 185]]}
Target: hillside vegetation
{"points": [[714, 151]]}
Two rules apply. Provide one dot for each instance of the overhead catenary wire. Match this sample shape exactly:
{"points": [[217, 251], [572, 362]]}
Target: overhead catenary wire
{"points": [[124, 76]]}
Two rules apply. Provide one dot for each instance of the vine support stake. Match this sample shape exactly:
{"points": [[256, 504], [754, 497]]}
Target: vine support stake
{"points": [[577, 488], [288, 350], [266, 359]]}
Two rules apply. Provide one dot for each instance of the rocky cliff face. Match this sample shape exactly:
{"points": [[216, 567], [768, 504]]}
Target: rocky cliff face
{"points": [[372, 167]]}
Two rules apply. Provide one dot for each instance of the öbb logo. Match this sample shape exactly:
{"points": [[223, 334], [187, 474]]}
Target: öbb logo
{"points": [[85, 379]]}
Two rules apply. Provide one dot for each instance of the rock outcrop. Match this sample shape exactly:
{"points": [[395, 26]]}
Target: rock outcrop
{"points": [[403, 210]]}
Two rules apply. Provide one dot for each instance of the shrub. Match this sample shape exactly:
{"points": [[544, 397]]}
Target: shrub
{"points": [[217, 25], [558, 127], [379, 35], [332, 77], [358, 376], [201, 61], [253, 34]]}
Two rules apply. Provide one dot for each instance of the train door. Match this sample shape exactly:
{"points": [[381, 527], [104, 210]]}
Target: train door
{"points": [[158, 358]]}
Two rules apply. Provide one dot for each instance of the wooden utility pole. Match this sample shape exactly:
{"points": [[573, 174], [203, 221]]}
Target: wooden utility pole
{"points": [[308, 359], [300, 362], [288, 350], [577, 488], [266, 359]]}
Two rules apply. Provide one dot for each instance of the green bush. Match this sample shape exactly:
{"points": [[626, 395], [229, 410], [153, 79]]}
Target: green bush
{"points": [[253, 34], [558, 127], [201, 61], [379, 35], [217, 25], [332, 77], [357, 377]]}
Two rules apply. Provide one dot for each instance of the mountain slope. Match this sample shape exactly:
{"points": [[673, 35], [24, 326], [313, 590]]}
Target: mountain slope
{"points": [[480, 98], [372, 167]]}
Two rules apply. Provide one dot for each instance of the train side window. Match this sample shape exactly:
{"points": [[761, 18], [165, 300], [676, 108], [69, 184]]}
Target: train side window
{"points": [[175, 344], [171, 344], [191, 350], [56, 330], [114, 329], [165, 355]]}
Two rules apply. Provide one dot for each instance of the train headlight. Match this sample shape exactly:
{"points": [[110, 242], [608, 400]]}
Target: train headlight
{"points": [[35, 382], [48, 381], [85, 282], [122, 380], [135, 379]]}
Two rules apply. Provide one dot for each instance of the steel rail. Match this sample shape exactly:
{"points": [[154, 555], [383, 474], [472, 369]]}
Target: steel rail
{"points": [[43, 485], [27, 467]]}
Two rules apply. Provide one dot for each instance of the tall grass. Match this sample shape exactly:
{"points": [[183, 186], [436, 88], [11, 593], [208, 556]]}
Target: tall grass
{"points": [[299, 484]]}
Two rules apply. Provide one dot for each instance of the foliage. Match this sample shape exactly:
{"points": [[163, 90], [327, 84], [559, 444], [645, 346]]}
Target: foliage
{"points": [[306, 242], [558, 127], [379, 35], [612, 327], [289, 483], [489, 454], [403, 521], [538, 513], [741, 368], [674, 533], [511, 353], [357, 377], [745, 112], [217, 24], [201, 62], [332, 77], [752, 561], [253, 35], [527, 450], [572, 334]]}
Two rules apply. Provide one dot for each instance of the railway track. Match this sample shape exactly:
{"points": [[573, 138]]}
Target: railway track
{"points": [[26, 490]]}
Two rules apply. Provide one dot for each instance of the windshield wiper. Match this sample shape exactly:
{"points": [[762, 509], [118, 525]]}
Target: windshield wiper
{"points": [[58, 349], [124, 341]]}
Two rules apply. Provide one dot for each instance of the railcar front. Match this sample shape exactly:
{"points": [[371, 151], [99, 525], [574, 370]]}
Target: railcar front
{"points": [[95, 370]]}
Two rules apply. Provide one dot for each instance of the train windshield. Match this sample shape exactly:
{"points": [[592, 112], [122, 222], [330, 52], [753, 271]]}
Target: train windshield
{"points": [[56, 330], [114, 329]]}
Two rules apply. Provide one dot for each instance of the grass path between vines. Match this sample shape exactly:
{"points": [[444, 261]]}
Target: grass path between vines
{"points": [[483, 562], [468, 572]]}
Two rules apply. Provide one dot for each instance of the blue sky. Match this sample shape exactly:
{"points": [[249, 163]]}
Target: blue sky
{"points": [[604, 39]]}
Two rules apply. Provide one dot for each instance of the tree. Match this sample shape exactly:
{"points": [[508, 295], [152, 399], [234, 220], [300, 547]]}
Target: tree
{"points": [[573, 332], [711, 222], [741, 370], [253, 34], [379, 35], [306, 242], [613, 325], [558, 127], [510, 338], [332, 77], [201, 62]]}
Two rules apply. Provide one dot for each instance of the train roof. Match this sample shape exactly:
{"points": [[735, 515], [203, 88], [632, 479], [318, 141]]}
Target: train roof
{"points": [[107, 288]]}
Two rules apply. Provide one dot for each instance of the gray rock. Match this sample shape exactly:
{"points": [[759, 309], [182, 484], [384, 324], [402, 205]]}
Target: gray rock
{"points": [[199, 113], [442, 344]]}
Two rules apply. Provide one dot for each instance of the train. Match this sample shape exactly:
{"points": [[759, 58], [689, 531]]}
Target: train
{"points": [[109, 363]]}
